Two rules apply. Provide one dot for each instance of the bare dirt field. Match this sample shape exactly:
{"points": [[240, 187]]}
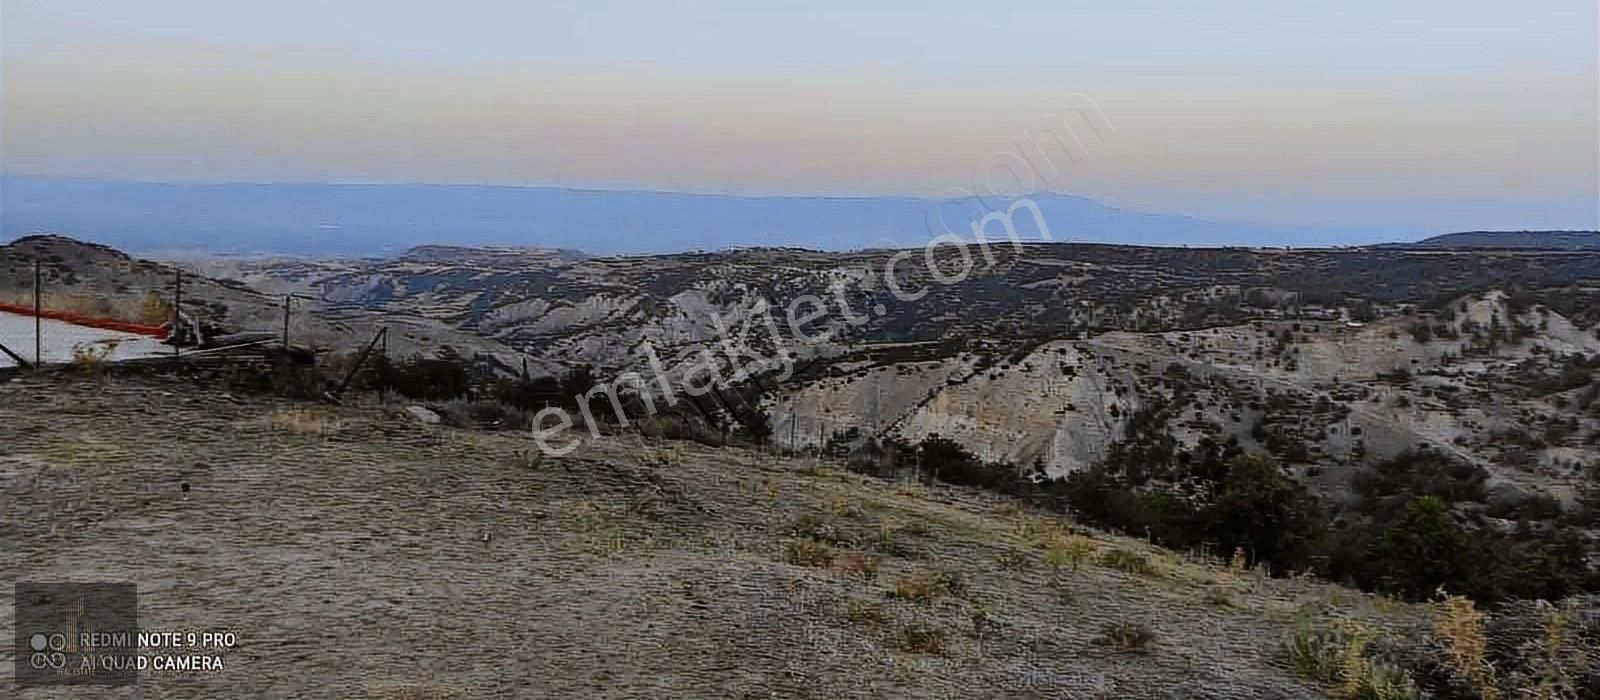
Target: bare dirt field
{"points": [[358, 553]]}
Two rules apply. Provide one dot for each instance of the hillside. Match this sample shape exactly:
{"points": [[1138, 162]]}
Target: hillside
{"points": [[358, 553], [1048, 354], [1525, 240], [101, 281], [1045, 356], [927, 506]]}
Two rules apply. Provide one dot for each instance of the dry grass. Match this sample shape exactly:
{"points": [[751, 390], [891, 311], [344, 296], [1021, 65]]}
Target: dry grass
{"points": [[689, 585], [409, 692], [304, 420], [1128, 561], [1069, 552]]}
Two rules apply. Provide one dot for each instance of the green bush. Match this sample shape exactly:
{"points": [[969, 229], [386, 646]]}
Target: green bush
{"points": [[442, 377]]}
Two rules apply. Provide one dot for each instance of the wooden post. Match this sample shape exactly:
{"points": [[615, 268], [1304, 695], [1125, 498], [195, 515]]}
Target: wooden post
{"points": [[286, 300], [383, 385], [38, 315], [177, 312], [361, 359], [21, 362]]}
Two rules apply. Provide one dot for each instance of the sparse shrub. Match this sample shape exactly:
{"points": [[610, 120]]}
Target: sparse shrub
{"points": [[1126, 561], [1314, 651], [1400, 376], [920, 638], [1384, 681], [1126, 637], [1012, 560], [1415, 473], [864, 612], [1336, 655], [483, 415], [530, 394], [808, 552], [442, 377], [1070, 551], [946, 460], [1422, 550]]}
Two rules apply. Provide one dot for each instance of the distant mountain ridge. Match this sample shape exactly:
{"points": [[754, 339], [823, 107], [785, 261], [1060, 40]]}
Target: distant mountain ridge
{"points": [[1533, 240], [328, 219]]}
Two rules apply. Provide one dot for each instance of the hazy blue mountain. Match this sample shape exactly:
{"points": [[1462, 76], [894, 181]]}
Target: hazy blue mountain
{"points": [[366, 219]]}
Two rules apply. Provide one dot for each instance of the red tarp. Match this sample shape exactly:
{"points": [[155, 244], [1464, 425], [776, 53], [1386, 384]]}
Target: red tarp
{"points": [[89, 321]]}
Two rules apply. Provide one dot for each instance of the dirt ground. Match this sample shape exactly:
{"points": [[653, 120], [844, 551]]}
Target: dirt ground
{"points": [[358, 553]]}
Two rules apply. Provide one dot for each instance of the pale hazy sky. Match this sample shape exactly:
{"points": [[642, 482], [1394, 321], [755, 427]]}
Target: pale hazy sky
{"points": [[1418, 113]]}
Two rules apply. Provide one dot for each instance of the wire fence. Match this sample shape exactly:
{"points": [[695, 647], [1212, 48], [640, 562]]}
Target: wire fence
{"points": [[51, 318]]}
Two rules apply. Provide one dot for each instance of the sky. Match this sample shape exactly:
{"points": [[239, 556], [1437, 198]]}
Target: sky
{"points": [[1409, 114]]}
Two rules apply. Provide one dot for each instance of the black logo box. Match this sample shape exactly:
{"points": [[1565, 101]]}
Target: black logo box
{"points": [[52, 620]]}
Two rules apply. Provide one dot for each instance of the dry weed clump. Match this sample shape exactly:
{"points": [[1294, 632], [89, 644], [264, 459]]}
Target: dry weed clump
{"points": [[842, 507], [864, 612], [91, 357], [1459, 627], [920, 638], [822, 529], [1126, 637], [928, 586], [1219, 597], [857, 564], [808, 552]]}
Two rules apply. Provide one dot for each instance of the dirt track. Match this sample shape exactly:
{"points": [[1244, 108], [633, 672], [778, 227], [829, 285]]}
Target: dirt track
{"points": [[359, 554]]}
